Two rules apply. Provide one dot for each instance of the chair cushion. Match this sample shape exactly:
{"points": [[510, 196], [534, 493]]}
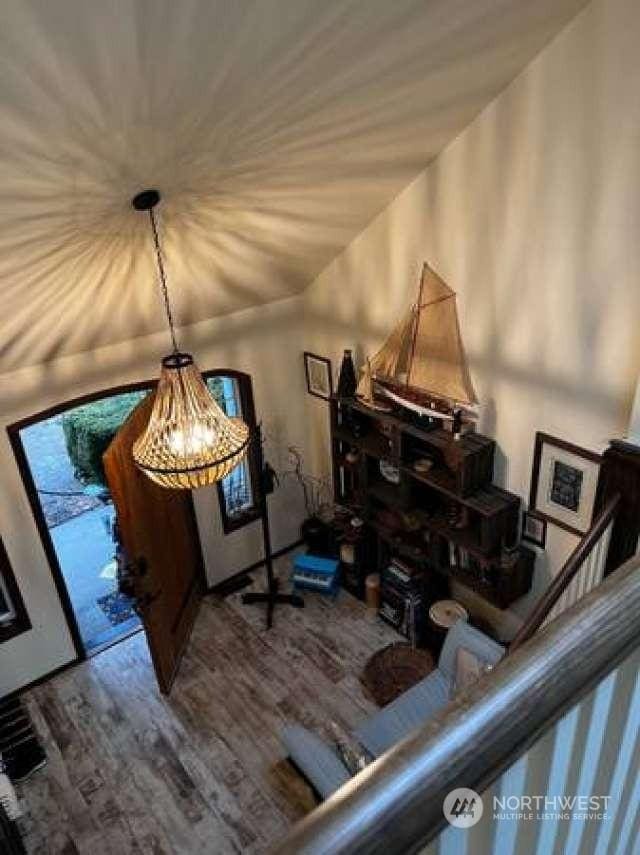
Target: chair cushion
{"points": [[412, 709], [316, 760], [350, 750]]}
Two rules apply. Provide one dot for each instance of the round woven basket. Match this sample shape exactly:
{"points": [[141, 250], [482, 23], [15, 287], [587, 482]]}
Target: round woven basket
{"points": [[393, 670]]}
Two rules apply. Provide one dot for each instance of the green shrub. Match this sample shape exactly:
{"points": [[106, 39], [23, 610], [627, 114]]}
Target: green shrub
{"points": [[216, 387], [89, 429]]}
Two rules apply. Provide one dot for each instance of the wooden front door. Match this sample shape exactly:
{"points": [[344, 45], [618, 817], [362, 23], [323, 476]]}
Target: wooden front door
{"points": [[160, 540]]}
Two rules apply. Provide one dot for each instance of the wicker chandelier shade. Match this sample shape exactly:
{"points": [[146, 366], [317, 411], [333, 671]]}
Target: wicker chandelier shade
{"points": [[189, 441]]}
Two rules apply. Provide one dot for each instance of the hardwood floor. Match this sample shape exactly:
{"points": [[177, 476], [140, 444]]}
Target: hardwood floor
{"points": [[202, 771]]}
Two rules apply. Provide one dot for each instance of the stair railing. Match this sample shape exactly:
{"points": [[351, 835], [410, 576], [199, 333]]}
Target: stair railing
{"points": [[394, 806]]}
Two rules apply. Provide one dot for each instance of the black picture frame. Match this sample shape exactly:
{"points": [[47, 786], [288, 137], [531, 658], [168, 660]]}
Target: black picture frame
{"points": [[20, 622], [528, 534], [589, 460], [312, 362]]}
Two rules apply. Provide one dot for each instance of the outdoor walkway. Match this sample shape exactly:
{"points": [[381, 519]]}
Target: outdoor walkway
{"points": [[61, 494], [79, 528], [84, 546]]}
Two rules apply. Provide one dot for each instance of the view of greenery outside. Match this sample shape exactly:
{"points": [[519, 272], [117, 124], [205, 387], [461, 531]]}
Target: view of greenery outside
{"points": [[216, 387], [89, 429]]}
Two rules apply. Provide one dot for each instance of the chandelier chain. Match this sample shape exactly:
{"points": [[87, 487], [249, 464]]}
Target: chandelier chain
{"points": [[163, 280]]}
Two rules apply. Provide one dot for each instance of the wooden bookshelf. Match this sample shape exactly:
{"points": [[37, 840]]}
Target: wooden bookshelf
{"points": [[451, 520]]}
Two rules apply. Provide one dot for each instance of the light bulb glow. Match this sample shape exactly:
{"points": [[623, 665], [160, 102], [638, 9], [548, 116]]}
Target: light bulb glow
{"points": [[192, 441]]}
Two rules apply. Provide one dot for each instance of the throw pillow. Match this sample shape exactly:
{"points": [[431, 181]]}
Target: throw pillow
{"points": [[469, 668], [352, 752]]}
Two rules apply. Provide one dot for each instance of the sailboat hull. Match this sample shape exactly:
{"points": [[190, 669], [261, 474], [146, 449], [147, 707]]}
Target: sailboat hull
{"points": [[411, 401], [379, 406], [415, 407]]}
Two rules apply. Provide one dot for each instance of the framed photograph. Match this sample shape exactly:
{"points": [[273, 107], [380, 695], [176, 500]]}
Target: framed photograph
{"points": [[319, 376], [563, 483], [534, 529], [13, 615]]}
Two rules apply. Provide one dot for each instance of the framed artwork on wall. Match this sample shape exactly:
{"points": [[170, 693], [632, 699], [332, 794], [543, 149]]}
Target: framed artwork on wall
{"points": [[534, 529], [563, 483], [319, 376], [13, 615]]}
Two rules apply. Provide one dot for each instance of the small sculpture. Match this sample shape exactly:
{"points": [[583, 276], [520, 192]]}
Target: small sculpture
{"points": [[347, 381]]}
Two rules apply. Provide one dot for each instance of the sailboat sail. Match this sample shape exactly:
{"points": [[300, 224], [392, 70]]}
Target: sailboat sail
{"points": [[439, 364], [392, 360]]}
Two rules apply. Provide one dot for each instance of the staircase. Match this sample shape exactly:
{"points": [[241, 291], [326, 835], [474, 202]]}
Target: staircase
{"points": [[558, 717]]}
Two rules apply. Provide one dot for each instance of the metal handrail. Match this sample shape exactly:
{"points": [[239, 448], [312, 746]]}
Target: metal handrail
{"points": [[395, 804]]}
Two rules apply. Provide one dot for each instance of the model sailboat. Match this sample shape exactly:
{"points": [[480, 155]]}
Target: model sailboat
{"points": [[422, 365]]}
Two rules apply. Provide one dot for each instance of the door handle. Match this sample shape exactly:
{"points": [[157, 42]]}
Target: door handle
{"points": [[129, 573], [143, 603], [136, 568]]}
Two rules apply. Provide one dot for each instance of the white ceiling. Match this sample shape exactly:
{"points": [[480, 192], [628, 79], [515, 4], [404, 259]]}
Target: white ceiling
{"points": [[275, 129]]}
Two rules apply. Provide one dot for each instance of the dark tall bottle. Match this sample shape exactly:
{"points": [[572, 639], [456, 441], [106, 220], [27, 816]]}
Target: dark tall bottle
{"points": [[347, 382]]}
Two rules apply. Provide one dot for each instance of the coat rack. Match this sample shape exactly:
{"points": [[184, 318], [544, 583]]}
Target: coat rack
{"points": [[271, 596]]}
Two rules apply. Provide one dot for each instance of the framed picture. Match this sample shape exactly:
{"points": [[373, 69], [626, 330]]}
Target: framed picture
{"points": [[319, 376], [563, 483], [13, 615], [534, 529]]}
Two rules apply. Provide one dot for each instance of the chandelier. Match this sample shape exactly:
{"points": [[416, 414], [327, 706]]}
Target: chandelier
{"points": [[189, 441]]}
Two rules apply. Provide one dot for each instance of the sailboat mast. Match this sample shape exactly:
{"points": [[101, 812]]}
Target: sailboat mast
{"points": [[416, 320]]}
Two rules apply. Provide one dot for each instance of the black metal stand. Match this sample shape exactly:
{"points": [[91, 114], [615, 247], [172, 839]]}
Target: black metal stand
{"points": [[271, 596]]}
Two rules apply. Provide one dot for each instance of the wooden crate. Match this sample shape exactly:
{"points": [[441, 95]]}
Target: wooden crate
{"points": [[466, 464]]}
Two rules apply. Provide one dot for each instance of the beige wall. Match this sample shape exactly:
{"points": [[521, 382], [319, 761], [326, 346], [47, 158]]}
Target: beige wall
{"points": [[532, 215], [634, 425], [264, 342]]}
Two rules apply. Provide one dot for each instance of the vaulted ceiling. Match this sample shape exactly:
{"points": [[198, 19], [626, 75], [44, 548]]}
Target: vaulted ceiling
{"points": [[275, 130]]}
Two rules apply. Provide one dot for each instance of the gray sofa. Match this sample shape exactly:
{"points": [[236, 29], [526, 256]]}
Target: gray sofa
{"points": [[321, 763]]}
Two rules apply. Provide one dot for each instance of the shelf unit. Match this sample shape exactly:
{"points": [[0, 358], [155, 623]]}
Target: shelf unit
{"points": [[451, 520]]}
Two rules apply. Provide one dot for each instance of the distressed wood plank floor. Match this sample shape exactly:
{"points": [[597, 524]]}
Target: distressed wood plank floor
{"points": [[202, 771]]}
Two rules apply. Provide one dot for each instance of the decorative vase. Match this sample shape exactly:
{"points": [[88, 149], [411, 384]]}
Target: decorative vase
{"points": [[347, 382]]}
